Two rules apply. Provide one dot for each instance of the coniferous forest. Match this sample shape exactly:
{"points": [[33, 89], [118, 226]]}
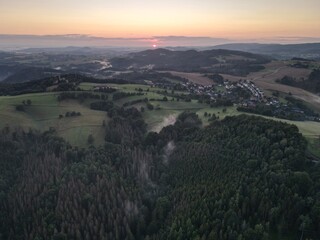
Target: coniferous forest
{"points": [[240, 178]]}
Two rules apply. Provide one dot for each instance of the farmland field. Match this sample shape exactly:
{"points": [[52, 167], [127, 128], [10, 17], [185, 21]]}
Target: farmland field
{"points": [[194, 77], [44, 111], [314, 146], [266, 80], [122, 87]]}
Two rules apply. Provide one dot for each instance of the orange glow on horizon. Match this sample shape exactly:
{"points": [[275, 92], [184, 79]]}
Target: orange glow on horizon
{"points": [[245, 19]]}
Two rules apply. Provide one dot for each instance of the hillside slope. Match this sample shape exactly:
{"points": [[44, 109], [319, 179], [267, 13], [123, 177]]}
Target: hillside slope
{"points": [[241, 178], [221, 61], [282, 51]]}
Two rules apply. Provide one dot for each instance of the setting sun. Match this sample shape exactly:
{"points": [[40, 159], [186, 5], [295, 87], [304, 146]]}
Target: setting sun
{"points": [[241, 20], [171, 119]]}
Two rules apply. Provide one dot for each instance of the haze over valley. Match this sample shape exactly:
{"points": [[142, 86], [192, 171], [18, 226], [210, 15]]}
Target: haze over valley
{"points": [[159, 120]]}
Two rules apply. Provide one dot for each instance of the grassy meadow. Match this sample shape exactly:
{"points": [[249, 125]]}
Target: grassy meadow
{"points": [[44, 111]]}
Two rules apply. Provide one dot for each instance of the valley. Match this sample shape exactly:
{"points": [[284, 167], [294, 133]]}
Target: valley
{"points": [[45, 109], [160, 152], [160, 120]]}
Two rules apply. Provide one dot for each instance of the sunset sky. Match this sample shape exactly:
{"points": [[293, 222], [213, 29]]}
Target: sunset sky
{"points": [[243, 20]]}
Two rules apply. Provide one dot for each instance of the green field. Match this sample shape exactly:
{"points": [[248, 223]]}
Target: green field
{"points": [[314, 146], [157, 118], [122, 87], [44, 113], [148, 95]]}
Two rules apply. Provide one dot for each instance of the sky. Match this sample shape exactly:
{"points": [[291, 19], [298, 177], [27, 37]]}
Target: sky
{"points": [[236, 20]]}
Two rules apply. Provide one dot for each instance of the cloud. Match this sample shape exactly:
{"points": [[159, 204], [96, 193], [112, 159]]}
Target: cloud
{"points": [[297, 39], [282, 40], [77, 40], [190, 41]]}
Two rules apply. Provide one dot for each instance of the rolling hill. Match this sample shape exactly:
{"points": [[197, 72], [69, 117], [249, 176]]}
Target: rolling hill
{"points": [[281, 51], [19, 74], [220, 61], [312, 83]]}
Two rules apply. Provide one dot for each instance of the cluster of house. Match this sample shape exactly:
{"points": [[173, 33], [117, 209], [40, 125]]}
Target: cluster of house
{"points": [[246, 95], [256, 92], [228, 91]]}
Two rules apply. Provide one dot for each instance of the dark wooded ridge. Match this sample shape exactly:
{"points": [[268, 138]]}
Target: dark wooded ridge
{"points": [[240, 178]]}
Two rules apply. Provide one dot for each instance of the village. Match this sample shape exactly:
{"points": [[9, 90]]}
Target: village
{"points": [[248, 97], [243, 94]]}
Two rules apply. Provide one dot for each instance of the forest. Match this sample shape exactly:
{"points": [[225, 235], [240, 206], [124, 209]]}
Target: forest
{"points": [[208, 61], [312, 83], [243, 177], [67, 82]]}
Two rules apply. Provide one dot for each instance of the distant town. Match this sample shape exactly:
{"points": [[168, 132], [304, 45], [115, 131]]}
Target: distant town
{"points": [[248, 98]]}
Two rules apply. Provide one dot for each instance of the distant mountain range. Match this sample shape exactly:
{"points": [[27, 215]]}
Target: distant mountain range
{"points": [[280, 51], [77, 44], [210, 61], [86, 51]]}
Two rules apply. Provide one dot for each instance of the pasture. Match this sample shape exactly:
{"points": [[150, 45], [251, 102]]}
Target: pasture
{"points": [[43, 113], [194, 77], [314, 146]]}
